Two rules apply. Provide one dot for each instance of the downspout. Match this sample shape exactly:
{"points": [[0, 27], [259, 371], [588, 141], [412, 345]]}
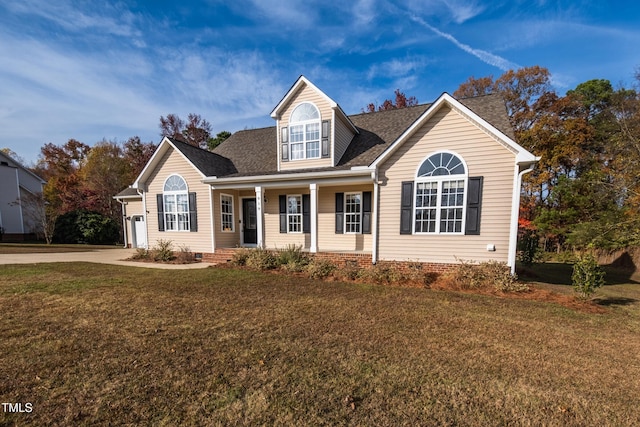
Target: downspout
{"points": [[374, 220], [515, 212], [144, 212], [124, 221]]}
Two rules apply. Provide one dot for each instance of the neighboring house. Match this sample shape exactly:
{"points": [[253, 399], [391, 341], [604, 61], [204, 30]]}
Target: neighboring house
{"points": [[19, 189], [431, 183]]}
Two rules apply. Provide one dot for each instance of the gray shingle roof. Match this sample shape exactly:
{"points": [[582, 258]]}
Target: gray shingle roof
{"points": [[254, 151], [209, 163]]}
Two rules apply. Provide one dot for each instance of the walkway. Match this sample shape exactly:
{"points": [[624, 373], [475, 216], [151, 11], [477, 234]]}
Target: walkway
{"points": [[101, 256]]}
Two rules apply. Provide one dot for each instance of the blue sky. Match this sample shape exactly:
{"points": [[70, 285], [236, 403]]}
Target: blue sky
{"points": [[92, 70]]}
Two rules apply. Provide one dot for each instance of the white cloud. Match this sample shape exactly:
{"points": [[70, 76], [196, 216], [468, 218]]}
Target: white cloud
{"points": [[462, 10], [484, 56]]}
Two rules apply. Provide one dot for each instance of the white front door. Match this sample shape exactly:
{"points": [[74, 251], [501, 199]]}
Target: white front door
{"points": [[139, 232]]}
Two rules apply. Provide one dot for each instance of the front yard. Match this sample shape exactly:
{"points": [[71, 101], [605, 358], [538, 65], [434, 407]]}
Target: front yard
{"points": [[89, 344]]}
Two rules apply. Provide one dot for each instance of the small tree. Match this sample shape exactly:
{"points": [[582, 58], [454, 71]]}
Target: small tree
{"points": [[39, 217], [587, 276]]}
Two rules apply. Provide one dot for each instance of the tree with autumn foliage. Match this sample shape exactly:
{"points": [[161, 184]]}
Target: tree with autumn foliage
{"points": [[582, 190], [400, 101], [195, 131]]}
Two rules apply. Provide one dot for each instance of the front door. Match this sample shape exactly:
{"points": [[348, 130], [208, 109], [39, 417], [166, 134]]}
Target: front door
{"points": [[139, 232], [249, 222]]}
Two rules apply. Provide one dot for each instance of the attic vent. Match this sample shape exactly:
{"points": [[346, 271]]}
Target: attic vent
{"points": [[4, 163]]}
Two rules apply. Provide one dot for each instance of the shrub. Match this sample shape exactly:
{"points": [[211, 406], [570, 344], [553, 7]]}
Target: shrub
{"points": [[587, 276], [261, 259], [320, 268], [381, 273], [240, 257], [292, 258], [81, 226], [489, 274], [163, 251], [141, 253], [185, 256], [529, 248], [348, 271]]}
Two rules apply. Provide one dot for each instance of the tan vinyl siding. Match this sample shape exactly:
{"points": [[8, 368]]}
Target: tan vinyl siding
{"points": [[226, 239], [344, 134], [328, 240], [173, 162], [448, 130], [273, 238], [133, 208], [305, 94]]}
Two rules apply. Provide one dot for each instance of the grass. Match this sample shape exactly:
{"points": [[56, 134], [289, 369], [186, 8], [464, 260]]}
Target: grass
{"points": [[94, 344]]}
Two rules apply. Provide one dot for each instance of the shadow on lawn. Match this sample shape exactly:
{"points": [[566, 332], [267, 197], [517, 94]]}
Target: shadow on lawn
{"points": [[560, 273], [610, 301]]}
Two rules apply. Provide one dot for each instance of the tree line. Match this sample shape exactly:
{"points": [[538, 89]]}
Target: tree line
{"points": [[584, 192]]}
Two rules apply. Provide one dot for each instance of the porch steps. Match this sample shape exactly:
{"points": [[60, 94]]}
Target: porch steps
{"points": [[221, 256]]}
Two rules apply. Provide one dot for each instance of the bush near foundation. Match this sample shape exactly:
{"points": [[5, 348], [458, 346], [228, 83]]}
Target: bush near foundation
{"points": [[486, 275]]}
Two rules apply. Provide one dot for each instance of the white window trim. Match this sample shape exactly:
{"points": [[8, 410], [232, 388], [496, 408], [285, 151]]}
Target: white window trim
{"points": [[233, 214], [439, 180], [175, 195], [346, 213], [304, 141], [289, 215]]}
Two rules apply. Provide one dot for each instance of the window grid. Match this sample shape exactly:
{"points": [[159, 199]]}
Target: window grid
{"points": [[353, 212], [176, 204], [452, 204], [426, 203], [294, 214], [304, 133], [226, 212]]}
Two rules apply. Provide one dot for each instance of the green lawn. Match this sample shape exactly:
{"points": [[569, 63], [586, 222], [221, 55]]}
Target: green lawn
{"points": [[90, 344]]}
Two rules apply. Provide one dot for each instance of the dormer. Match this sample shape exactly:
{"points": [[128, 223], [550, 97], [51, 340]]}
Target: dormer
{"points": [[313, 131]]}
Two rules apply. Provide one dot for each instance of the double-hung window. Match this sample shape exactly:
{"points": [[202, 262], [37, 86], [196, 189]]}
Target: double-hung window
{"points": [[304, 132], [226, 212], [176, 204], [294, 214], [353, 212], [440, 194]]}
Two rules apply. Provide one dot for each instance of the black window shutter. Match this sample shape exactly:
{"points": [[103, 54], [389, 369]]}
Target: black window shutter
{"points": [[193, 213], [366, 212], [339, 213], [160, 212], [326, 126], [474, 202], [306, 213], [284, 147], [406, 207], [283, 213]]}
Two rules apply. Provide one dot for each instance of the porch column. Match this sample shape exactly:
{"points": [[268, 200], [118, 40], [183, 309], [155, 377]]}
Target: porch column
{"points": [[259, 217], [313, 190]]}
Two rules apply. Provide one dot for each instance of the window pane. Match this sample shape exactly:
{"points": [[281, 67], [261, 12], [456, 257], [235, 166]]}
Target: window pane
{"points": [[226, 209], [452, 202], [313, 149], [296, 133], [297, 151], [313, 131], [182, 202]]}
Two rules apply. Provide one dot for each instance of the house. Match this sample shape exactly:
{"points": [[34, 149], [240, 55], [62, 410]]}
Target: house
{"points": [[429, 183], [20, 190]]}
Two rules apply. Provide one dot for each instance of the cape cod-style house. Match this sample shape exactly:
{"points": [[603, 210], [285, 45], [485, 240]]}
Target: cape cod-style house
{"points": [[431, 183]]}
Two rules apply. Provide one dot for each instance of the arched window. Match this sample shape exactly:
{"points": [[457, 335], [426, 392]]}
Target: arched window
{"points": [[175, 199], [440, 194], [304, 132]]}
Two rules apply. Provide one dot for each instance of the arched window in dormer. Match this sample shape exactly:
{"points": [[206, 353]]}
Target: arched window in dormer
{"points": [[304, 132]]}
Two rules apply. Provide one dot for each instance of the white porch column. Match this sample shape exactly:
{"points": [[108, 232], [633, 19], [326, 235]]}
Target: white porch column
{"points": [[259, 217], [374, 221], [313, 190]]}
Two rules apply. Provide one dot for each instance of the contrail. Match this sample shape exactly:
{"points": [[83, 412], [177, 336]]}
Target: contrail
{"points": [[482, 55]]}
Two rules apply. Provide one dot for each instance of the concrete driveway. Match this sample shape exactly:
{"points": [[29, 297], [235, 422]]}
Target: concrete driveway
{"points": [[101, 256]]}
